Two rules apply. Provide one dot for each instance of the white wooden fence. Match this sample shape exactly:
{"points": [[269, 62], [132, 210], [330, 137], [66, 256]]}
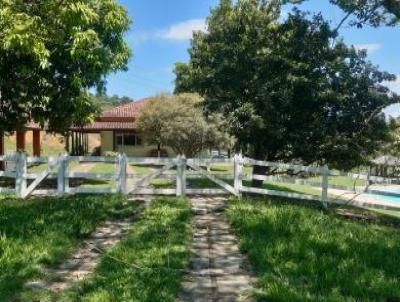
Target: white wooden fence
{"points": [[177, 169]]}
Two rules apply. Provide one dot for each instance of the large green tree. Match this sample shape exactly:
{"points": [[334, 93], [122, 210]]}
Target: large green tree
{"points": [[51, 53], [287, 90], [179, 122]]}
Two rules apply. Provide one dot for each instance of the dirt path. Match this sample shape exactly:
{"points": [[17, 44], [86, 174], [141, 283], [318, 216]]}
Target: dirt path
{"points": [[130, 183], [84, 261], [218, 272]]}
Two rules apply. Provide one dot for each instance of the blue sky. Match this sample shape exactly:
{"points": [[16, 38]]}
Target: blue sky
{"points": [[161, 31]]}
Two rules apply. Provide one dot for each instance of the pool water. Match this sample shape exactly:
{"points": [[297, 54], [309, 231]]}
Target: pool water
{"points": [[390, 198]]}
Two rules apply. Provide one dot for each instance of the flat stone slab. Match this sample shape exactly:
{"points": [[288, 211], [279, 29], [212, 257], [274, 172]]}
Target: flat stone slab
{"points": [[217, 270]]}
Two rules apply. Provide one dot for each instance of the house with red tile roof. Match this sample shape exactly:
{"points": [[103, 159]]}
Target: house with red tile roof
{"points": [[118, 130], [118, 133]]}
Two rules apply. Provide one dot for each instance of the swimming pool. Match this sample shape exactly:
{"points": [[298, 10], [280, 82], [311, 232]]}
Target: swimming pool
{"points": [[392, 199]]}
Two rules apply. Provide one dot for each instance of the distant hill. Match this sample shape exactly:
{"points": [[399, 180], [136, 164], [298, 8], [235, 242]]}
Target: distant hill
{"points": [[51, 144], [106, 102]]}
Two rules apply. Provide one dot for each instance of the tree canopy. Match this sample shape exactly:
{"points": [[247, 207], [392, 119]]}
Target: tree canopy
{"points": [[371, 12], [179, 122], [51, 53], [288, 91]]}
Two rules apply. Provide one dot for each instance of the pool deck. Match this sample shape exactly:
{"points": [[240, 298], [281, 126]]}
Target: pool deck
{"points": [[361, 199]]}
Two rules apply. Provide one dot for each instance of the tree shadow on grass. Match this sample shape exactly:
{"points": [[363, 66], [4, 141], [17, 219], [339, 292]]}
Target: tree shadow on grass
{"points": [[45, 231]]}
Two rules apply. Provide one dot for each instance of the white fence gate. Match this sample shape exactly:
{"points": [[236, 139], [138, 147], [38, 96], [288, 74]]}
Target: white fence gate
{"points": [[179, 170]]}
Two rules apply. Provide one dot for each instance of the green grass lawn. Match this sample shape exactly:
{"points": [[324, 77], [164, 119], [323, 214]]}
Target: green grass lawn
{"points": [[159, 240], [44, 231], [161, 183], [228, 168], [104, 168], [39, 168], [340, 180], [142, 169], [101, 168], [303, 254]]}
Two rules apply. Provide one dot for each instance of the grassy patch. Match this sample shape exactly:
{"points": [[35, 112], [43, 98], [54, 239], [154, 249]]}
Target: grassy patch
{"points": [[45, 231], [104, 168], [142, 169], [162, 183], [228, 168], [100, 168], [159, 240], [340, 181], [303, 254], [287, 187], [49, 145]]}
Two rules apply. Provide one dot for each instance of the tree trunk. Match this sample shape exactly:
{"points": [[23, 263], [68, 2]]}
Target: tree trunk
{"points": [[259, 154], [259, 170]]}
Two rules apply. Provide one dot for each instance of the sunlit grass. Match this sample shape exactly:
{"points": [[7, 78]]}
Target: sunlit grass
{"points": [[301, 253], [159, 241]]}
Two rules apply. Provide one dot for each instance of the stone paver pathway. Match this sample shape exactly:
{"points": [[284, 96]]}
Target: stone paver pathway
{"points": [[218, 271], [84, 261]]}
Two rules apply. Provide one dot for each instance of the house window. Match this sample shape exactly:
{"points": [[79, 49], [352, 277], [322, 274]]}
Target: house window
{"points": [[127, 139]]}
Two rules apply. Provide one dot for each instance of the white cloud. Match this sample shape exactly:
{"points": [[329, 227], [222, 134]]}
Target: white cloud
{"points": [[183, 30], [371, 48], [176, 32], [395, 85], [393, 110]]}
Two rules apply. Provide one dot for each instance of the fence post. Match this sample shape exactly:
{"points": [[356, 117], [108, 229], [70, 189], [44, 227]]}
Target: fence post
{"points": [[66, 173], [21, 171], [368, 181], [325, 186], [181, 176], [122, 164], [238, 168], [61, 174]]}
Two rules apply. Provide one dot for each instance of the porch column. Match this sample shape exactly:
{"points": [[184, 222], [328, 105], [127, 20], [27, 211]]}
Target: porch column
{"points": [[36, 142], [73, 143], [1, 150], [21, 140]]}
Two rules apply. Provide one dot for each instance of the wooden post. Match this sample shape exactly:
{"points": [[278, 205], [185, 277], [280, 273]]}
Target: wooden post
{"points": [[238, 168], [36, 142], [67, 145], [21, 140], [21, 170], [325, 186], [86, 143], [122, 164], [2, 165], [79, 143], [181, 176], [72, 143]]}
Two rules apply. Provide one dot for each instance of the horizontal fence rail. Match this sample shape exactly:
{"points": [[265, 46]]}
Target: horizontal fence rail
{"points": [[61, 177]]}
